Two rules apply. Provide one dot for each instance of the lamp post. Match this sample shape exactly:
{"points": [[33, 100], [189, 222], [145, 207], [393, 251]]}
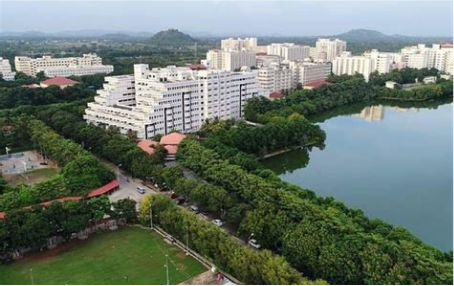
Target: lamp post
{"points": [[31, 276], [118, 171], [7, 151], [167, 269], [151, 217]]}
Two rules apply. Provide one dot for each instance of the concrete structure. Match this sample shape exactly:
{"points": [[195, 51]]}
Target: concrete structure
{"points": [[163, 100], [348, 64], [5, 70], [274, 78], [61, 82], [289, 51], [390, 84], [88, 64], [381, 62], [328, 50], [308, 72], [231, 60], [238, 44], [429, 79], [439, 56], [264, 60]]}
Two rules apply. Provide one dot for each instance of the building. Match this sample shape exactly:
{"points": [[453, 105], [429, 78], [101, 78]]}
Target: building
{"points": [[315, 84], [274, 77], [61, 82], [88, 64], [372, 113], [169, 142], [390, 84], [163, 100], [264, 60], [238, 44], [5, 70], [348, 64], [231, 60], [429, 79], [439, 56], [381, 62], [308, 72], [328, 50], [289, 51]]}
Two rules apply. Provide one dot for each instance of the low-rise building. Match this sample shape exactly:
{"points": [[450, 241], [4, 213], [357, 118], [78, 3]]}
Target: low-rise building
{"points": [[61, 82], [5, 70], [88, 64], [308, 72]]}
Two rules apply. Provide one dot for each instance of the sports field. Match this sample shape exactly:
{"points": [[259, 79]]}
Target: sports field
{"points": [[126, 256]]}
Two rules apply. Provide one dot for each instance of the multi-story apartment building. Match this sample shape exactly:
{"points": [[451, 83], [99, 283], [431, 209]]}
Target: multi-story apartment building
{"points": [[159, 101], [307, 72], [438, 56], [289, 51], [274, 77], [348, 64], [239, 44], [86, 65], [328, 50], [5, 70], [231, 60], [263, 60]]}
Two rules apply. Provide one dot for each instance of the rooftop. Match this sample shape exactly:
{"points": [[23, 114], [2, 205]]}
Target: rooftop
{"points": [[59, 81]]}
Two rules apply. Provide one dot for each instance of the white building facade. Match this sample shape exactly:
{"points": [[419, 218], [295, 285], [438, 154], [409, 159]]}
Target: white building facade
{"points": [[307, 72], [274, 77], [289, 51], [239, 44], [231, 60], [5, 70], [88, 64], [160, 101], [348, 64], [328, 50]]}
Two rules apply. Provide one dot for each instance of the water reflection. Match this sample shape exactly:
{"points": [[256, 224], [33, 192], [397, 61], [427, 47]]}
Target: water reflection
{"points": [[372, 113]]}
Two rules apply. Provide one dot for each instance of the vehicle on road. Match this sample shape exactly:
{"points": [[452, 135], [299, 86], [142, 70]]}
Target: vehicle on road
{"points": [[253, 243], [194, 209], [218, 222], [141, 190]]}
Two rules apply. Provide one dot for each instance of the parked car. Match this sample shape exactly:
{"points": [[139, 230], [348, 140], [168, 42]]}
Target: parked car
{"points": [[194, 209], [218, 222], [141, 190], [180, 201], [253, 243]]}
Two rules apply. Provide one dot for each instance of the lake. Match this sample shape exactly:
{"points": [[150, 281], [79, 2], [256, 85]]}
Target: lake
{"points": [[394, 163]]}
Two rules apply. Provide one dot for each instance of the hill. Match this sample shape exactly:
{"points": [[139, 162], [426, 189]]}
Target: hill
{"points": [[172, 37]]}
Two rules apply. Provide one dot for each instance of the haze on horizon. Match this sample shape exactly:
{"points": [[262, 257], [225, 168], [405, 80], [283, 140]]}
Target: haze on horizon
{"points": [[412, 18]]}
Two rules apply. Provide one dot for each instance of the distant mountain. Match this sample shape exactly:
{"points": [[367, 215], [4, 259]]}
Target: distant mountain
{"points": [[371, 36], [172, 37]]}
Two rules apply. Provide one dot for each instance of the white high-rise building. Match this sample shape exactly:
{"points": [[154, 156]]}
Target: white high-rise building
{"points": [[348, 64], [5, 70], [438, 56], [162, 100], [239, 44], [231, 60], [274, 77], [289, 51], [328, 50], [381, 62], [307, 72], [88, 64]]}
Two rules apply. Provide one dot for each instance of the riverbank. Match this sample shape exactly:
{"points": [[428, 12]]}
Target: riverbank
{"points": [[283, 151]]}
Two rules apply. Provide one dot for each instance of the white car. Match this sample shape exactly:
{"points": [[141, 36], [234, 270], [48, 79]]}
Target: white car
{"points": [[253, 243], [218, 222], [141, 190]]}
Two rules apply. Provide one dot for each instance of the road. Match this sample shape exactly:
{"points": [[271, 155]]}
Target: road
{"points": [[128, 189]]}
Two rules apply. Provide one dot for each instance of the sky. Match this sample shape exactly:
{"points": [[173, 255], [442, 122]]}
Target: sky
{"points": [[295, 18]]}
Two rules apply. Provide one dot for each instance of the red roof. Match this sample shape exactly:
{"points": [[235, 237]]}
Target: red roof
{"points": [[172, 139], [197, 67], [276, 95], [171, 149], [2, 215], [147, 146], [318, 83], [104, 189], [59, 81]]}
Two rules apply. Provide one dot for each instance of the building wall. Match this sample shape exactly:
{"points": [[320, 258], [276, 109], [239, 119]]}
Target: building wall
{"points": [[31, 66], [172, 98], [347, 64], [274, 78], [328, 50], [5, 70]]}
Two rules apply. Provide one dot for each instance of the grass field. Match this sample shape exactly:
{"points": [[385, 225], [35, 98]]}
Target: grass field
{"points": [[126, 256]]}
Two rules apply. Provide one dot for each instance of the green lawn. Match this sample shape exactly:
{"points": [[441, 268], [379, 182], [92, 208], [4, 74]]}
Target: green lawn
{"points": [[126, 256]]}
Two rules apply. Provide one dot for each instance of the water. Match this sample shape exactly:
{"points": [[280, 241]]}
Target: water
{"points": [[394, 163]]}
